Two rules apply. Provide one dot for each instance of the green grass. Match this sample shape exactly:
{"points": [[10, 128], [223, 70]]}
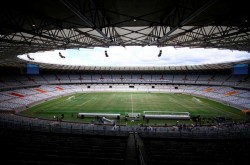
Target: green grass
{"points": [[108, 102]]}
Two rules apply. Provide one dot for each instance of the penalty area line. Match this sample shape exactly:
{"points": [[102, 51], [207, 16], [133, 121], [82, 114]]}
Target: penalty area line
{"points": [[86, 101]]}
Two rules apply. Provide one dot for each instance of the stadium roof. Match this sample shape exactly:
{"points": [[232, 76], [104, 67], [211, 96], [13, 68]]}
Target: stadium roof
{"points": [[28, 26], [207, 67], [219, 66]]}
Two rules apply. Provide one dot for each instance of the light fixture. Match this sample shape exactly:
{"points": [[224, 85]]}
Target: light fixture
{"points": [[159, 55], [106, 54], [28, 56], [61, 55]]}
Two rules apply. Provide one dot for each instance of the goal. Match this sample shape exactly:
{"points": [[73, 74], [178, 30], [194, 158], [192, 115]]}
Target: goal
{"points": [[71, 98], [196, 100]]}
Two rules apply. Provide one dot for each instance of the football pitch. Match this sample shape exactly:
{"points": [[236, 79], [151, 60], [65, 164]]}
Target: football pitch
{"points": [[126, 102]]}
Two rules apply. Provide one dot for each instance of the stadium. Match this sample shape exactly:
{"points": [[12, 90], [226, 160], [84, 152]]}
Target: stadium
{"points": [[144, 115]]}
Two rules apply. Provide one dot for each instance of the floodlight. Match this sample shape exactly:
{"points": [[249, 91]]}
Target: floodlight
{"points": [[61, 55], [106, 54], [28, 56], [159, 55]]}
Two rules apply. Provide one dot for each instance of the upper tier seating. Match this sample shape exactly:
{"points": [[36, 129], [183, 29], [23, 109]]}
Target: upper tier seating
{"points": [[32, 80]]}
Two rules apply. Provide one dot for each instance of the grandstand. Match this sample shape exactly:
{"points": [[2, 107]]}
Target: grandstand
{"points": [[158, 136], [235, 95], [16, 97]]}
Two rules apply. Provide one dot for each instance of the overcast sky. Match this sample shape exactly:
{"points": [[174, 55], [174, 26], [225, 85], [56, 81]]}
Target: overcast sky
{"points": [[139, 56]]}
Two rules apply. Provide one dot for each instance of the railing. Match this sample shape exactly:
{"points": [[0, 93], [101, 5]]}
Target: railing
{"points": [[10, 121], [141, 158]]}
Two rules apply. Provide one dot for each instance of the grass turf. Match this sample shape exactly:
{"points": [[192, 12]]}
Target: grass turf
{"points": [[108, 102]]}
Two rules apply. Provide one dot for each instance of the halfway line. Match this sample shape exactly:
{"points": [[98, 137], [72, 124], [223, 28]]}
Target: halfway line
{"points": [[132, 102]]}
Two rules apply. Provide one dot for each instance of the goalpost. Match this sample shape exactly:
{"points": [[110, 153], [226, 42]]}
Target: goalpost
{"points": [[71, 98], [196, 100]]}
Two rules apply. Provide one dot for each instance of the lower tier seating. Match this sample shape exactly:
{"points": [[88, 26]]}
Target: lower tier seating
{"points": [[196, 151], [20, 147]]}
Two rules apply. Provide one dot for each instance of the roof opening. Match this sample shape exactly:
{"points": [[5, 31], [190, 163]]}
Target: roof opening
{"points": [[136, 56]]}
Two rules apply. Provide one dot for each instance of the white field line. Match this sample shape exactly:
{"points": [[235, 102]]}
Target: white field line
{"points": [[132, 106], [86, 102], [173, 100], [220, 110]]}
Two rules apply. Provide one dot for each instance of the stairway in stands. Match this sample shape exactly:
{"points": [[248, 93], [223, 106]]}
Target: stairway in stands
{"points": [[131, 155]]}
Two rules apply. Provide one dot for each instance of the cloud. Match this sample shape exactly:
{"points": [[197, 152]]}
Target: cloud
{"points": [[139, 56]]}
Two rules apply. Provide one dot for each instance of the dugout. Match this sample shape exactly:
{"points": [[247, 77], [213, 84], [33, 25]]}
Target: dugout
{"points": [[107, 115], [172, 117]]}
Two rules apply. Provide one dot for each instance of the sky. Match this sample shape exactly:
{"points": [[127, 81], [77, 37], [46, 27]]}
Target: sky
{"points": [[138, 56]]}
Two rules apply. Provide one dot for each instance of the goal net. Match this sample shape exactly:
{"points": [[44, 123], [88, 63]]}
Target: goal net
{"points": [[71, 98], [196, 100]]}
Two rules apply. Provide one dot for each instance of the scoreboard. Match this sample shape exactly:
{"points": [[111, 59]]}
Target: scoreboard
{"points": [[240, 69], [32, 69]]}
